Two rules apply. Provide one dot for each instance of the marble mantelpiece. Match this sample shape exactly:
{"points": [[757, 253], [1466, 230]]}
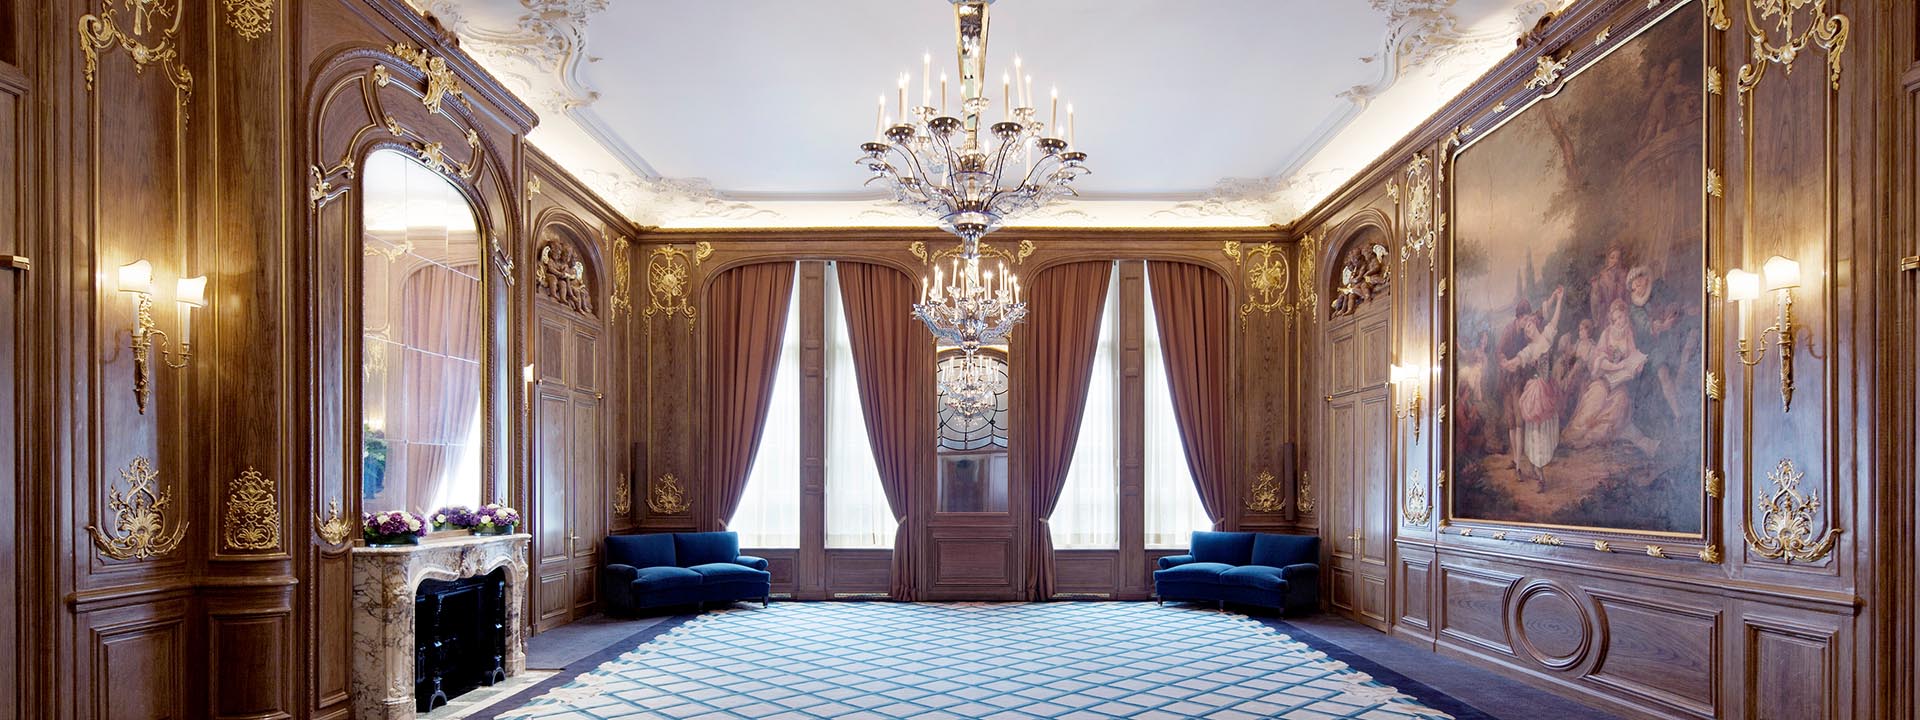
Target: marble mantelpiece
{"points": [[384, 582]]}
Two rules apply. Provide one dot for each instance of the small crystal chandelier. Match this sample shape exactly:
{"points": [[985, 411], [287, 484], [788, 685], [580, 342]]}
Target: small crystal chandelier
{"points": [[973, 178], [970, 387], [973, 307]]}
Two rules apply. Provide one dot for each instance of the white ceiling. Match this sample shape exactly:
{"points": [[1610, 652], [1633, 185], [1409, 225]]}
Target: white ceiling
{"points": [[725, 113]]}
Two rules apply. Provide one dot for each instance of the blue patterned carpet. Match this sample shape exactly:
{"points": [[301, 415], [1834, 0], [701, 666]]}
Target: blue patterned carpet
{"points": [[934, 661]]}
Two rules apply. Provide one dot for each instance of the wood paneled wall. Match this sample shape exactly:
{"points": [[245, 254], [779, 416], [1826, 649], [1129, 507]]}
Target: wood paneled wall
{"points": [[676, 266], [1799, 166]]}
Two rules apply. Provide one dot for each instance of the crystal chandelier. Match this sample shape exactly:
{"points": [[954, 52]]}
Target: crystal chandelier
{"points": [[972, 308], [970, 387], [970, 172]]}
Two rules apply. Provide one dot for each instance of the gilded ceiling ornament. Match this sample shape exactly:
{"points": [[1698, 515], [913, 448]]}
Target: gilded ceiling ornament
{"points": [[1363, 277], [563, 276], [666, 497], [1309, 292], [621, 302], [250, 19], [441, 84], [1264, 496], [1422, 227], [623, 497], [140, 517], [151, 41], [670, 285], [253, 513], [1786, 520], [1825, 30], [1546, 71], [1303, 491], [1417, 507], [1267, 281], [334, 528]]}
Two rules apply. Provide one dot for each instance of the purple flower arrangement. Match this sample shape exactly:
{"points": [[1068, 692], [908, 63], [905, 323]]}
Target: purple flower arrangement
{"points": [[495, 519], [453, 516], [392, 527]]}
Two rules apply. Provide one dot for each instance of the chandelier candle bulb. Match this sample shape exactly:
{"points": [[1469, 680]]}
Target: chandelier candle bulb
{"points": [[1026, 94], [1017, 74], [926, 79], [1053, 123], [943, 94]]}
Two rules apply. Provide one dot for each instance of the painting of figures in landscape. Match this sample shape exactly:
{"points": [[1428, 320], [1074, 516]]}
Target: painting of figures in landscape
{"points": [[1578, 315]]}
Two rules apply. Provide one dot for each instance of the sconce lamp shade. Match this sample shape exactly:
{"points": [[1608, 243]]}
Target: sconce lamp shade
{"points": [[192, 291], [1404, 374], [137, 277], [1742, 285], [1781, 273]]}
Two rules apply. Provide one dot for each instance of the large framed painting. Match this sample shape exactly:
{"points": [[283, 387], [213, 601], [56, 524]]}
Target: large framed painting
{"points": [[1578, 312]]}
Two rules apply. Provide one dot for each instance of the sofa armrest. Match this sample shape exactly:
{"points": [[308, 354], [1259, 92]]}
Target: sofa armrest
{"points": [[1302, 572], [1303, 587], [1174, 560], [616, 585], [756, 563]]}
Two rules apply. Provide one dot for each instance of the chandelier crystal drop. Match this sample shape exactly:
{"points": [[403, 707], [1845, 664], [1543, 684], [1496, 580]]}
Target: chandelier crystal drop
{"points": [[972, 307], [973, 171], [970, 388]]}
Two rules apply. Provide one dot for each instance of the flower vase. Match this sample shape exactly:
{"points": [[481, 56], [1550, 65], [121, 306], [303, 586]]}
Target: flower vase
{"points": [[400, 540]]}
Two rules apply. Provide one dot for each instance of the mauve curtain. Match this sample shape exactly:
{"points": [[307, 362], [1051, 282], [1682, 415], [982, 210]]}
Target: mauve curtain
{"points": [[746, 315], [1194, 305], [893, 356], [1058, 342]]}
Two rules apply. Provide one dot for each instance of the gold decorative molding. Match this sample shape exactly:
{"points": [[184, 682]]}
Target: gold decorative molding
{"points": [[1309, 289], [103, 32], [1715, 187], [1303, 491], [441, 83], [502, 260], [1714, 391], [1501, 535], [140, 517], [1656, 551], [1712, 483], [534, 187], [1716, 85], [1264, 495], [322, 191], [1787, 520], [253, 513], [1601, 37], [250, 19], [620, 300], [703, 250], [1417, 504], [1466, 532], [1825, 30], [1441, 289], [1603, 546], [1715, 284], [1423, 225], [1717, 15], [1710, 554], [1267, 281], [1544, 539], [1546, 71], [920, 251], [666, 497], [623, 497], [334, 528], [1231, 249], [1440, 352], [561, 274], [670, 285]]}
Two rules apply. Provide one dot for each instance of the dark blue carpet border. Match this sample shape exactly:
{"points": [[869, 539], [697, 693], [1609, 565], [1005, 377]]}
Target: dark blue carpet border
{"points": [[1427, 694], [580, 667]]}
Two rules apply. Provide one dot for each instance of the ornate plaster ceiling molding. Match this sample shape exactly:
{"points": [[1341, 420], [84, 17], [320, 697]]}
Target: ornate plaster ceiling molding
{"points": [[547, 42], [665, 201], [1257, 198], [1422, 33]]}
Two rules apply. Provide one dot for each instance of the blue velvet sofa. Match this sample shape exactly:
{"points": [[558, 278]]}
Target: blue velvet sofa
{"points": [[1263, 569], [670, 569]]}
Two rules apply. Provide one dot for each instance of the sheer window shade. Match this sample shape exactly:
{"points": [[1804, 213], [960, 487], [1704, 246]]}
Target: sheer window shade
{"points": [[1088, 513], [769, 512], [857, 512], [1173, 509]]}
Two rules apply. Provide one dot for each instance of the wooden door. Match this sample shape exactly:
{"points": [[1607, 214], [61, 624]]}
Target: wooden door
{"points": [[569, 510], [13, 273], [1360, 487]]}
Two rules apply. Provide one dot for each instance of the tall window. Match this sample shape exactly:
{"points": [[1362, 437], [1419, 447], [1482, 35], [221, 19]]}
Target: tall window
{"points": [[857, 512], [769, 513], [1088, 514], [1173, 509]]}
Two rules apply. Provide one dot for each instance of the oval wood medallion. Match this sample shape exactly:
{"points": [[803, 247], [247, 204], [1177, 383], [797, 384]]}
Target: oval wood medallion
{"points": [[1552, 626]]}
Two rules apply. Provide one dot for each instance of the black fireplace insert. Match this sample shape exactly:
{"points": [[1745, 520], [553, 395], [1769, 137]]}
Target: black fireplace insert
{"points": [[459, 637]]}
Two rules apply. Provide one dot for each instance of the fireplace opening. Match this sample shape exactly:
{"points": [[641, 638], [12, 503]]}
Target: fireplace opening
{"points": [[459, 637]]}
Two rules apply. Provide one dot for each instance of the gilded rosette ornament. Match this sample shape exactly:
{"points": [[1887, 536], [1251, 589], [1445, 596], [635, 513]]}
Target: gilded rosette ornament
{"points": [[1786, 522], [666, 497], [141, 526], [1268, 281], [253, 513], [1264, 495]]}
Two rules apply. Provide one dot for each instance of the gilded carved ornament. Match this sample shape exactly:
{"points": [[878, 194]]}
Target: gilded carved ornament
{"points": [[334, 528], [1304, 493], [1309, 299], [1268, 281], [149, 40], [670, 283], [250, 19], [1713, 386], [1825, 30], [253, 513], [621, 301], [1786, 522], [1423, 226], [1547, 70], [1417, 506], [1363, 276], [622, 497], [1717, 15], [1264, 495], [1712, 483], [666, 497], [441, 83], [563, 277], [141, 525], [1015, 256], [323, 191]]}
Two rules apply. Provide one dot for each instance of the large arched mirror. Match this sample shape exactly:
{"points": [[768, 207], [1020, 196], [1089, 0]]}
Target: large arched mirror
{"points": [[423, 330]]}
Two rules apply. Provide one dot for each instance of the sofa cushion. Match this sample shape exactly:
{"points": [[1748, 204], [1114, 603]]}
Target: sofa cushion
{"points": [[720, 572], [1254, 576], [1197, 572], [1232, 548], [1274, 550], [654, 579], [692, 549], [641, 550]]}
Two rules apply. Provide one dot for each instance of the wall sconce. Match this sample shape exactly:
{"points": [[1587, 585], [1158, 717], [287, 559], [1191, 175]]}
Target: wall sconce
{"points": [[136, 279], [1402, 376], [1781, 276]]}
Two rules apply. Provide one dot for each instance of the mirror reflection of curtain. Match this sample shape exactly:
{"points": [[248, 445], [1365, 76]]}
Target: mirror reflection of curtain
{"points": [[441, 330]]}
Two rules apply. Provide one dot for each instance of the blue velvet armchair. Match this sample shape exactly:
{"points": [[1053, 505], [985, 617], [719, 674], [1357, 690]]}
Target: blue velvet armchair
{"points": [[1263, 569], [669, 569]]}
